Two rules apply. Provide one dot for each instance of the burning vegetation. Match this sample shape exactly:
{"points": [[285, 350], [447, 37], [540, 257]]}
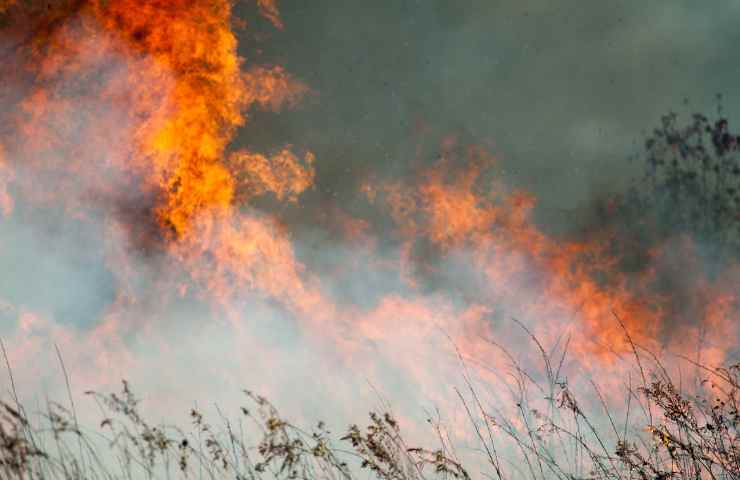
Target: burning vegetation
{"points": [[683, 437], [121, 116]]}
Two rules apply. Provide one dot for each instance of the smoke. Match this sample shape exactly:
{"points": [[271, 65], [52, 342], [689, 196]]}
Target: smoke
{"points": [[143, 244]]}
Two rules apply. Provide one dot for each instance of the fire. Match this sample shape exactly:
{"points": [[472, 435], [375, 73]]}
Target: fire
{"points": [[164, 94], [192, 42], [127, 109], [555, 284], [6, 177], [247, 252], [123, 112], [269, 10], [273, 88], [282, 174]]}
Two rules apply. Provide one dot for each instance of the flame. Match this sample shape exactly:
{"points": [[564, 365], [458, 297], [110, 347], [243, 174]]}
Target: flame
{"points": [[282, 174], [251, 252], [269, 10], [6, 177], [272, 88], [552, 282], [128, 108], [124, 111], [168, 93], [193, 43]]}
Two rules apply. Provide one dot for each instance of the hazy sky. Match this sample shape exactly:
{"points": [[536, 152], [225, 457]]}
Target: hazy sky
{"points": [[563, 90]]}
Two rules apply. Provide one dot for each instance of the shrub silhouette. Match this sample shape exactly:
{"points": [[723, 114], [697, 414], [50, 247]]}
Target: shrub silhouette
{"points": [[691, 184]]}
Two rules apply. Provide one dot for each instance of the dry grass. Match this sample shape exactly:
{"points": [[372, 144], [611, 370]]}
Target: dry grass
{"points": [[665, 433]]}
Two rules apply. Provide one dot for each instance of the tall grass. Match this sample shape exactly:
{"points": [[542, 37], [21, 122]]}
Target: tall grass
{"points": [[662, 432]]}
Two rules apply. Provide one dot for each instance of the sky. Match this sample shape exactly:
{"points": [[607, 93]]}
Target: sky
{"points": [[370, 199], [564, 92]]}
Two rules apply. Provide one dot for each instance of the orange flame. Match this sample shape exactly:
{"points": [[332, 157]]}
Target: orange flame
{"points": [[164, 114], [126, 109], [269, 10], [283, 174], [541, 277], [273, 88], [6, 177], [146, 96]]}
